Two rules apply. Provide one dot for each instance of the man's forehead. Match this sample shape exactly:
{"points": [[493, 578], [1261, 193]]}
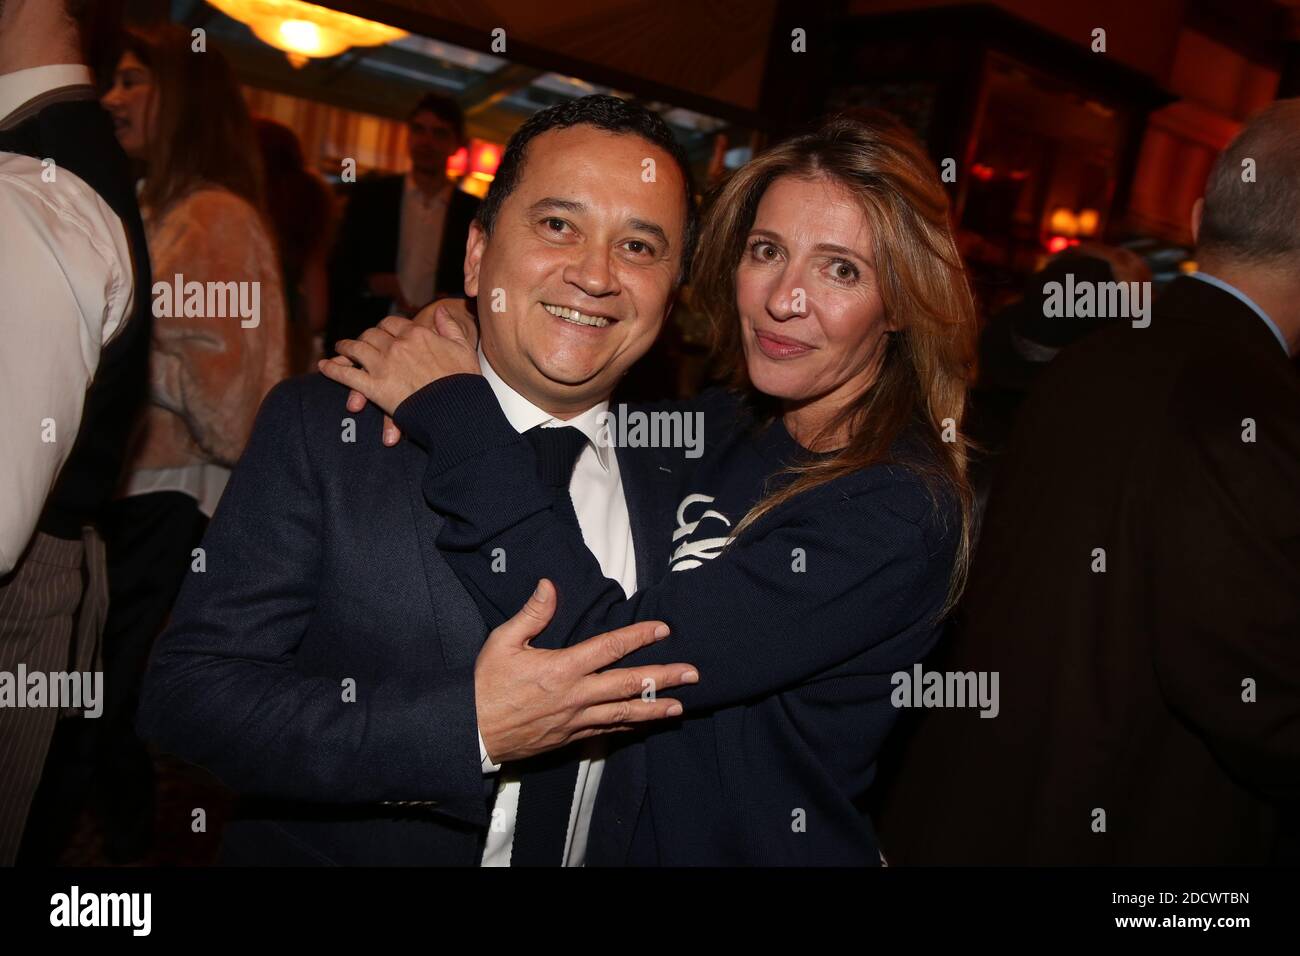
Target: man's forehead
{"points": [[585, 171], [617, 150]]}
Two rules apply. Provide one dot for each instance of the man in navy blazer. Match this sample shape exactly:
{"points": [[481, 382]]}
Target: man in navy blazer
{"points": [[322, 658]]}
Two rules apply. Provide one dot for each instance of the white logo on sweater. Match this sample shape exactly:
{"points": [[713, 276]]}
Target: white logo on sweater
{"points": [[689, 553]]}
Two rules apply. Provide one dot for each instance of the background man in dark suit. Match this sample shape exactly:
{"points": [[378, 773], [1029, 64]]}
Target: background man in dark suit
{"points": [[1137, 584], [402, 242], [327, 664]]}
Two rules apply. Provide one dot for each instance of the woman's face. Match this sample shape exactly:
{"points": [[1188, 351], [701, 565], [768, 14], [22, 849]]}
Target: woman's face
{"points": [[811, 315], [132, 103]]}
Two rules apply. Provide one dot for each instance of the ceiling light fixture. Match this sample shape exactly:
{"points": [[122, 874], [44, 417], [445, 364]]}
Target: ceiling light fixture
{"points": [[305, 30]]}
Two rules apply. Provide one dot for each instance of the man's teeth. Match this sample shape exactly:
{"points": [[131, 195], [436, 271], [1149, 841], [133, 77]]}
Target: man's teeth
{"points": [[573, 315]]}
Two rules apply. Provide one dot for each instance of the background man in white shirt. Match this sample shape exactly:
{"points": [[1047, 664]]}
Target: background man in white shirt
{"points": [[73, 293], [402, 239]]}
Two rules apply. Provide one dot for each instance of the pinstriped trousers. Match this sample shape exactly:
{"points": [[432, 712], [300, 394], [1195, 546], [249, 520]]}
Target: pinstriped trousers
{"points": [[52, 609]]}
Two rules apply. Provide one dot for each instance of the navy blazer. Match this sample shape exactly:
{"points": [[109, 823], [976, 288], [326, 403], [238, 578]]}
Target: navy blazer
{"points": [[320, 660]]}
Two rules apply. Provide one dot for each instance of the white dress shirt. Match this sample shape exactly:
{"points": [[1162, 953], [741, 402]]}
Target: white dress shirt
{"points": [[67, 286], [597, 491], [420, 242], [205, 483]]}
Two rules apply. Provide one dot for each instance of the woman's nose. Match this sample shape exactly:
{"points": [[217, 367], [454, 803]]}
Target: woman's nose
{"points": [[788, 299]]}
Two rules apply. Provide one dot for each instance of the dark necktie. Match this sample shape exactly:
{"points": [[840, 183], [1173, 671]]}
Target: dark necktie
{"points": [[557, 451], [547, 781]]}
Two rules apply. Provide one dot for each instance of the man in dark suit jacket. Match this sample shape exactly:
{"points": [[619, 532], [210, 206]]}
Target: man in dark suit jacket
{"points": [[402, 242], [326, 663], [1137, 586]]}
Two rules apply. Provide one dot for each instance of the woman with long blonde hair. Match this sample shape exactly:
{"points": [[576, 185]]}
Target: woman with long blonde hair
{"points": [[817, 542]]}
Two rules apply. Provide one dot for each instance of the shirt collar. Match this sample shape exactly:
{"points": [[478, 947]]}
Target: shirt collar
{"points": [[1247, 300], [18, 87], [523, 414]]}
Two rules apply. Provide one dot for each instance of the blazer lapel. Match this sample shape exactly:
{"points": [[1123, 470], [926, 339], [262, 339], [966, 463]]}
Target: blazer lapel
{"points": [[460, 626], [649, 484]]}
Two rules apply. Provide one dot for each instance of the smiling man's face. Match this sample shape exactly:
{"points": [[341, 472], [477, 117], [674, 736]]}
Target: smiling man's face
{"points": [[584, 257]]}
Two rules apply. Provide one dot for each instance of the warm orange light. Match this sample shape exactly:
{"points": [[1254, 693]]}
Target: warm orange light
{"points": [[486, 160], [302, 36], [1063, 222], [457, 162], [305, 30], [474, 186], [1088, 220]]}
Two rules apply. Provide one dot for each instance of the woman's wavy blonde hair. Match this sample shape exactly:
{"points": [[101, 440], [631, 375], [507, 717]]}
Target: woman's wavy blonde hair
{"points": [[926, 362]]}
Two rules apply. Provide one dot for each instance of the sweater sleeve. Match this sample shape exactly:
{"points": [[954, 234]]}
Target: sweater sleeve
{"points": [[780, 605], [213, 370]]}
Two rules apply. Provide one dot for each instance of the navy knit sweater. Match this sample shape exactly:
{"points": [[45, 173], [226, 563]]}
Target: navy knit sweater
{"points": [[795, 626]]}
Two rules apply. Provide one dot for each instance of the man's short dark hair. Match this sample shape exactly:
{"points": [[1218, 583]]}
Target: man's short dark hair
{"points": [[1256, 217], [608, 113], [443, 107]]}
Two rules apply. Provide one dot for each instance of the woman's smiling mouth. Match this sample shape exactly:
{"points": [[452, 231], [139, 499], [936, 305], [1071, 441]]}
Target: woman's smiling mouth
{"points": [[780, 347]]}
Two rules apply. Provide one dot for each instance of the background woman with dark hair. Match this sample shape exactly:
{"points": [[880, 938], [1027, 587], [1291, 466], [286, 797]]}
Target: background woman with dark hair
{"points": [[179, 113]]}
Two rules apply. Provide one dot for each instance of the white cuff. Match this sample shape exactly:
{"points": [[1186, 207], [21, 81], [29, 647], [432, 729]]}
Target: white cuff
{"points": [[488, 765]]}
